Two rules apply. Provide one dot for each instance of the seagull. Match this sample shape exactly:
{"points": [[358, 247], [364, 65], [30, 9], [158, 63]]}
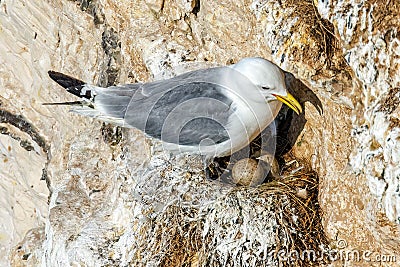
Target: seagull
{"points": [[213, 112]]}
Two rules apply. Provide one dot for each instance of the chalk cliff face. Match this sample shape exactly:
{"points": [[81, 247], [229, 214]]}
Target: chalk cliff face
{"points": [[77, 191]]}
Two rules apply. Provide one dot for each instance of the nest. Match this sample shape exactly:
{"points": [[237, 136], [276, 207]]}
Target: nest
{"points": [[300, 218], [199, 222]]}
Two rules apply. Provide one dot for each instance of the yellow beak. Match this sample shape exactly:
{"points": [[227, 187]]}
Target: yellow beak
{"points": [[291, 102]]}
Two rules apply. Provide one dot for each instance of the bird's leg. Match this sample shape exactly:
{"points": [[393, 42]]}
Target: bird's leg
{"points": [[213, 170], [216, 167]]}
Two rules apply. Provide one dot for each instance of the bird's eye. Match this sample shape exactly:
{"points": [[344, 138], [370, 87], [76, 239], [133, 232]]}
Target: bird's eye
{"points": [[265, 87]]}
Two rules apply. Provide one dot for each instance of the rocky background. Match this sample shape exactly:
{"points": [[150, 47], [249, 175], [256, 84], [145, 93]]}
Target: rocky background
{"points": [[77, 192]]}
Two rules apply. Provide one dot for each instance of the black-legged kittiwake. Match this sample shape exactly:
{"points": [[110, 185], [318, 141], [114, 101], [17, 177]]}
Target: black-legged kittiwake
{"points": [[213, 112]]}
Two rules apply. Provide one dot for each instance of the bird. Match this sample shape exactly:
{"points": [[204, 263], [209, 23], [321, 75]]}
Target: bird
{"points": [[213, 112]]}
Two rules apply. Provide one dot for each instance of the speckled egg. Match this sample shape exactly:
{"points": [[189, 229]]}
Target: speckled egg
{"points": [[248, 172], [271, 162]]}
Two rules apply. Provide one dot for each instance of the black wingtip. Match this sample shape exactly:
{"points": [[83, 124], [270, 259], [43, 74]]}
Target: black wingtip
{"points": [[65, 80], [73, 85]]}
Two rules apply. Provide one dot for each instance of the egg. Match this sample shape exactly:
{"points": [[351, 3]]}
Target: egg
{"points": [[248, 172]]}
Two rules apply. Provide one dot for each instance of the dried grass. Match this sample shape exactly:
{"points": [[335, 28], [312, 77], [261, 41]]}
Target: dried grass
{"points": [[305, 234], [185, 235]]}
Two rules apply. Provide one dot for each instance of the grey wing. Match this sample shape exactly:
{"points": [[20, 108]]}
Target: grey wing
{"points": [[113, 101], [199, 130], [212, 75], [182, 113]]}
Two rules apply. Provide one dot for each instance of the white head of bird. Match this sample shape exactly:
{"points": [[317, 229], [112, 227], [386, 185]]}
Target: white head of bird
{"points": [[269, 79]]}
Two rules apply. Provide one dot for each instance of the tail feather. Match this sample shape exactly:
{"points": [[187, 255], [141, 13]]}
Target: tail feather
{"points": [[74, 86], [108, 104]]}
